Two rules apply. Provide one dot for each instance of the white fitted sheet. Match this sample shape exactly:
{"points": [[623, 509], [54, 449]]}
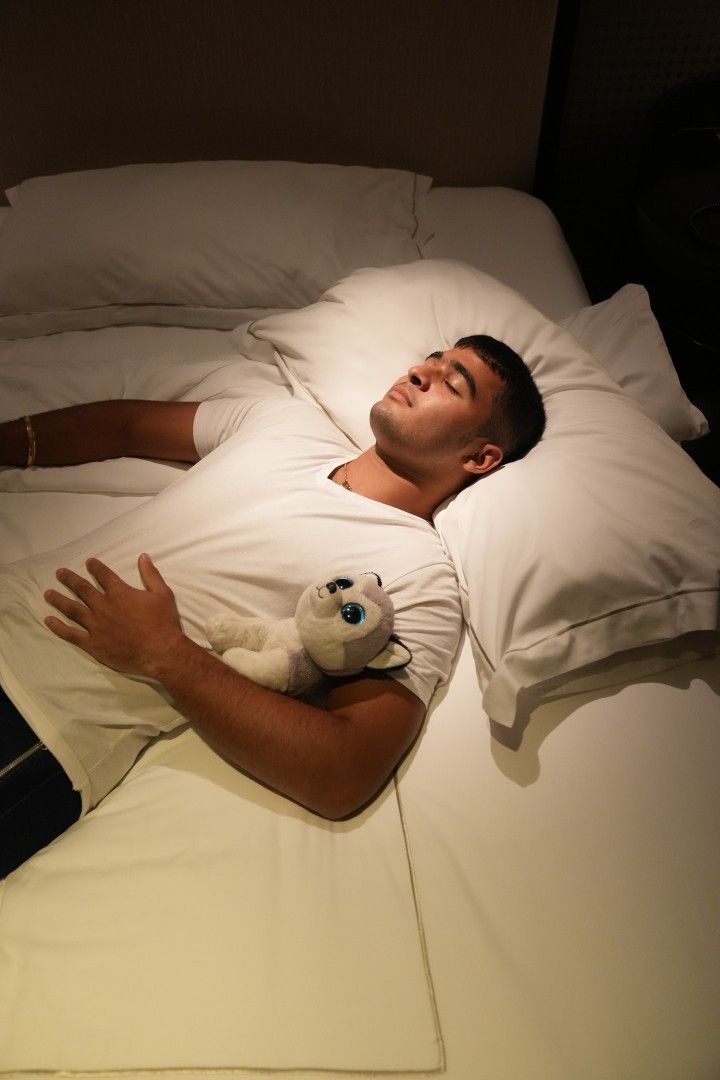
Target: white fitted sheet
{"points": [[513, 236], [547, 911]]}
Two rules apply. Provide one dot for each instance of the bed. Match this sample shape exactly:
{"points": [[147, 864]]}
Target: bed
{"points": [[534, 898], [535, 894]]}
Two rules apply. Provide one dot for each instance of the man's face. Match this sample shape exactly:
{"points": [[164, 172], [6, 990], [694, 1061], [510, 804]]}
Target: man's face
{"points": [[436, 408]]}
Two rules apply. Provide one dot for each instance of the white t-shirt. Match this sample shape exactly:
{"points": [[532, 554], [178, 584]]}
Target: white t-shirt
{"points": [[245, 530]]}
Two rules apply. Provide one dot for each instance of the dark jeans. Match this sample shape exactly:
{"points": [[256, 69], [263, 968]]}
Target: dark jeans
{"points": [[37, 801]]}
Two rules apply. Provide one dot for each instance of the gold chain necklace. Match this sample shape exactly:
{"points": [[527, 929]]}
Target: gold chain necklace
{"points": [[346, 482]]}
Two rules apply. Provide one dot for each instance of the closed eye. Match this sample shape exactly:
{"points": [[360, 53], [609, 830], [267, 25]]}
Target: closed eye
{"points": [[452, 389]]}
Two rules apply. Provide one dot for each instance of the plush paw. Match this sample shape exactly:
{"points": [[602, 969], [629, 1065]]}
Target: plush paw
{"points": [[269, 668], [226, 631], [223, 632]]}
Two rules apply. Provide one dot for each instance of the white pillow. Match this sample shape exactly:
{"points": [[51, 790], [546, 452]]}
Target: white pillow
{"points": [[605, 537], [195, 243], [623, 336]]}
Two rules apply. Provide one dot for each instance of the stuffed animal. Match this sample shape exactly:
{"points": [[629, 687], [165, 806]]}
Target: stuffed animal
{"points": [[341, 627]]}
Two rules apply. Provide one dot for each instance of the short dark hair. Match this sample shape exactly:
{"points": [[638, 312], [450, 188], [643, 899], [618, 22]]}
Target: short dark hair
{"points": [[517, 420]]}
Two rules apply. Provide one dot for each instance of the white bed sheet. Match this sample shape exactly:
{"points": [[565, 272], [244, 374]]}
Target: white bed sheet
{"points": [[513, 236], [567, 891]]}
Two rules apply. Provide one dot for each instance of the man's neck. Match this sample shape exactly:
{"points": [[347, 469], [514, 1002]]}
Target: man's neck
{"points": [[372, 476]]}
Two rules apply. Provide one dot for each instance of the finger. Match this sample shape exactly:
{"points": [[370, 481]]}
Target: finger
{"points": [[72, 608], [104, 575], [67, 633], [77, 584], [150, 576]]}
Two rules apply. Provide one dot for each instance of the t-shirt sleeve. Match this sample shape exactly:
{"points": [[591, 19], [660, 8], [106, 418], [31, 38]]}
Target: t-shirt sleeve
{"points": [[217, 419], [428, 619]]}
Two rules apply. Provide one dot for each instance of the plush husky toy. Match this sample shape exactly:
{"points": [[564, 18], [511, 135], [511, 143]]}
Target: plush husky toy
{"points": [[341, 627]]}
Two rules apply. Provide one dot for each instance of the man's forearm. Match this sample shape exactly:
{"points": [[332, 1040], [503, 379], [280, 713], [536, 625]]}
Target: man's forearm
{"points": [[69, 436], [101, 430], [303, 752]]}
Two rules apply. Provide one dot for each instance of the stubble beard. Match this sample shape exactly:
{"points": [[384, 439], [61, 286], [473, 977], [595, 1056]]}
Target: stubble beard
{"points": [[416, 444], [384, 424]]}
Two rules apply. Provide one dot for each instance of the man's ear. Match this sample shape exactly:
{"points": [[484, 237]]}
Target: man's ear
{"points": [[483, 460]]}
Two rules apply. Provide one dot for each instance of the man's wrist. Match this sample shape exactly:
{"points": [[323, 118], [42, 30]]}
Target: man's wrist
{"points": [[167, 660], [14, 445]]}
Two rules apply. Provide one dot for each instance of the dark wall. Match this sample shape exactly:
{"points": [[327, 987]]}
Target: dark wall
{"points": [[451, 88], [614, 60]]}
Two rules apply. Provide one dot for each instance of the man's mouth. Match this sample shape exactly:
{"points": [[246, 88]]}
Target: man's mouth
{"points": [[399, 393]]}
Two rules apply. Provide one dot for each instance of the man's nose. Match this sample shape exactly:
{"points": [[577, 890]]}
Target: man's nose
{"points": [[421, 375]]}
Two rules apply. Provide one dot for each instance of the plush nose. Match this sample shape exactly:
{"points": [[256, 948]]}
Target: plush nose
{"points": [[331, 587]]}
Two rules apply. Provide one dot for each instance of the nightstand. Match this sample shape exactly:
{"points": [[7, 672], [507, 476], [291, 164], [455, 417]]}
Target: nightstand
{"points": [[677, 245], [698, 367]]}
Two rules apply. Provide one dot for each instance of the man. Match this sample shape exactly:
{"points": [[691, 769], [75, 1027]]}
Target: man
{"points": [[275, 499]]}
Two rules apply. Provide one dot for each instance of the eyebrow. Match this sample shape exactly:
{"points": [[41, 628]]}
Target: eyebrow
{"points": [[461, 370]]}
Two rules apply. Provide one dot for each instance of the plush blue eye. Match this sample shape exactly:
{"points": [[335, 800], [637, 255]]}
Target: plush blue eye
{"points": [[353, 613], [343, 582]]}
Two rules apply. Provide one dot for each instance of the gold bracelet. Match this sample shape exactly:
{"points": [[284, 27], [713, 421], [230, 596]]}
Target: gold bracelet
{"points": [[32, 444]]}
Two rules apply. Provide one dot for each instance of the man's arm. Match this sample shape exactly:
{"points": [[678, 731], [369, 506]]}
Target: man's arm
{"points": [[333, 762], [102, 430]]}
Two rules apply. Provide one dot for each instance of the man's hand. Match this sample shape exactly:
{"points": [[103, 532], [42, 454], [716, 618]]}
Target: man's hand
{"points": [[125, 628]]}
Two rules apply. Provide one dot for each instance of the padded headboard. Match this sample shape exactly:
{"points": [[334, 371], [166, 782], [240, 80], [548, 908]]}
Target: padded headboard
{"points": [[450, 88]]}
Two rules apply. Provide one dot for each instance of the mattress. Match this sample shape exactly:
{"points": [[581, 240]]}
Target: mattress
{"points": [[537, 909]]}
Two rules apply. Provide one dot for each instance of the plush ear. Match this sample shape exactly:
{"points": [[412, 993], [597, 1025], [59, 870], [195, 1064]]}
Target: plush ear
{"points": [[394, 655]]}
